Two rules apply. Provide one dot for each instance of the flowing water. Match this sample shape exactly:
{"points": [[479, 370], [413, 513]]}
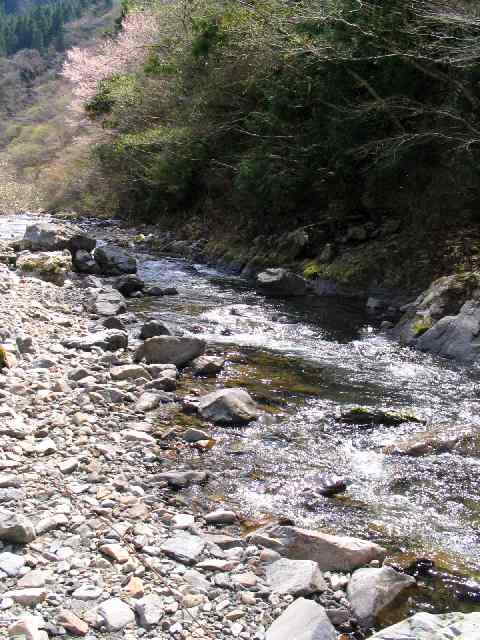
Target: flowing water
{"points": [[305, 360]]}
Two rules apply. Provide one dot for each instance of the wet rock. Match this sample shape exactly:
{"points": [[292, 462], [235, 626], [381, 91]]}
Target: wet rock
{"points": [[115, 614], [297, 577], [463, 440], [371, 590], [302, 620], [365, 417], [228, 406], [15, 528], [154, 328], [84, 263], [109, 340], [280, 282], [426, 626], [207, 366], [129, 284], [182, 479], [184, 547], [113, 322], [327, 484], [170, 350], [332, 553], [221, 516], [105, 302], [195, 435], [149, 611], [113, 261]]}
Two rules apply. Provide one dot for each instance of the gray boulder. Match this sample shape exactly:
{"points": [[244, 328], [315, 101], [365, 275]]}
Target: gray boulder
{"points": [[129, 284], [109, 340], [297, 577], [302, 620], [182, 479], [15, 528], [84, 262], [426, 626], [331, 553], [113, 261], [281, 282], [170, 350], [228, 406], [47, 236], [371, 590], [105, 302], [154, 328]]}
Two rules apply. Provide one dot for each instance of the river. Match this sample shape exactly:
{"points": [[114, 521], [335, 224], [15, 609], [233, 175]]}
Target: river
{"points": [[305, 360]]}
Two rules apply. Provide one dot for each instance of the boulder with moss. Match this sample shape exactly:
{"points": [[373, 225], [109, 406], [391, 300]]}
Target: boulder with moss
{"points": [[52, 266]]}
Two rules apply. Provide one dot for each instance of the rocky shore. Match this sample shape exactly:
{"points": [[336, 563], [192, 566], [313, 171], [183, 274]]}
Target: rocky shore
{"points": [[96, 538]]}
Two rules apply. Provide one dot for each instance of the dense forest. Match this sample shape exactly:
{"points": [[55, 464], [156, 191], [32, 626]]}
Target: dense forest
{"points": [[37, 25]]}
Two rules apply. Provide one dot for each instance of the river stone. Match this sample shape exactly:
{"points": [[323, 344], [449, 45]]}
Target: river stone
{"points": [[371, 590], [228, 406], [11, 563], [182, 479], [115, 614], [113, 322], [51, 266], [15, 528], [280, 282], [426, 626], [129, 284], [84, 262], [154, 328], [328, 484], [297, 577], [128, 372], [170, 350], [302, 620], [207, 365], [461, 439], [332, 553], [105, 302], [184, 547], [109, 340], [44, 236], [149, 610], [113, 261]]}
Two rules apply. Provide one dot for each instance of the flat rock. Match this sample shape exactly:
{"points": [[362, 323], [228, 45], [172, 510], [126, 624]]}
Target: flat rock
{"points": [[182, 479], [332, 553], [105, 302], [302, 620], [228, 406], [11, 563], [149, 611], [297, 577], [170, 350], [109, 340], [184, 547], [115, 614], [129, 372], [72, 623], [426, 626], [207, 366], [371, 590]]}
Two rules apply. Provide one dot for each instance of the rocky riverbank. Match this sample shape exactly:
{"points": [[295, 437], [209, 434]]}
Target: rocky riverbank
{"points": [[97, 535]]}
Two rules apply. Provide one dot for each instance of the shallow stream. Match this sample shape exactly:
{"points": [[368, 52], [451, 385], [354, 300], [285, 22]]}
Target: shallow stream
{"points": [[305, 360]]}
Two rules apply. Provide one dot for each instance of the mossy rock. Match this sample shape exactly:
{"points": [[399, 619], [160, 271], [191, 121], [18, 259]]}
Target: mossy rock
{"points": [[363, 416], [421, 326]]}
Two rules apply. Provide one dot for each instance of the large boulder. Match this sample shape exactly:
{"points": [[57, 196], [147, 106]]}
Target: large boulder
{"points": [[302, 620], [128, 284], [297, 577], [114, 261], [426, 626], [331, 553], [228, 406], [170, 350], [464, 440], [46, 236], [109, 340], [154, 328], [372, 590], [105, 302], [444, 319], [52, 266], [281, 282], [84, 262]]}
